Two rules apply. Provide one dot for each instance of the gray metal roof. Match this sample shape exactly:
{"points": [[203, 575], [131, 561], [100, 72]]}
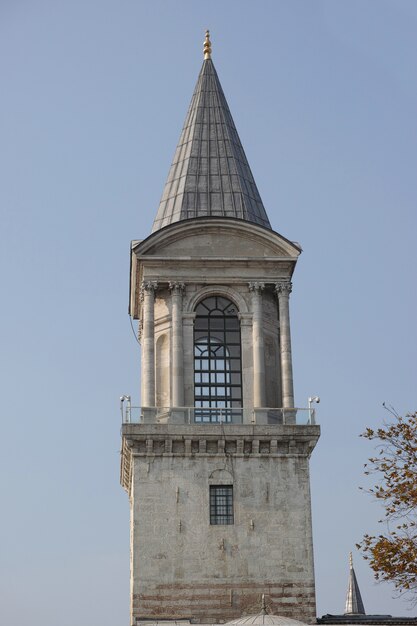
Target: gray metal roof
{"points": [[210, 175], [354, 604]]}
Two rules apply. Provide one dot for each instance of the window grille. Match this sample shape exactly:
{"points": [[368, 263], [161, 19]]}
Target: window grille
{"points": [[221, 504], [217, 361]]}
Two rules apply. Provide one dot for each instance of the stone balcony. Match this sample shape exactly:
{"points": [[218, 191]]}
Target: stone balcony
{"points": [[147, 437], [217, 415]]}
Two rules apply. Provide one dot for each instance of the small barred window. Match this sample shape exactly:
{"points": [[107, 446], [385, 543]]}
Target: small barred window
{"points": [[221, 504]]}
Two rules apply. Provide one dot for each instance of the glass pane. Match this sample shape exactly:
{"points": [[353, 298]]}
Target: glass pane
{"points": [[234, 351], [212, 365], [201, 323], [218, 350], [205, 306], [200, 336], [216, 339], [217, 323], [222, 303]]}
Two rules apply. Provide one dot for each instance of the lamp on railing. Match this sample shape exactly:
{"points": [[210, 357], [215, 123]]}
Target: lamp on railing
{"points": [[312, 399], [126, 399]]}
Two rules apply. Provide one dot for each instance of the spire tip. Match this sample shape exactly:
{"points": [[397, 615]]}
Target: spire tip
{"points": [[207, 46]]}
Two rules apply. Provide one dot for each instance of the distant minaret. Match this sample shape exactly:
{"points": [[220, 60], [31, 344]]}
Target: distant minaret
{"points": [[354, 604]]}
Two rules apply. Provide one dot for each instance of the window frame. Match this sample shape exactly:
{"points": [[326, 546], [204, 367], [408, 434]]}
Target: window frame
{"points": [[221, 505], [217, 361]]}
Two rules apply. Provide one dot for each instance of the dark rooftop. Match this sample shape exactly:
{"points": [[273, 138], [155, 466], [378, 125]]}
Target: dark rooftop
{"points": [[210, 175]]}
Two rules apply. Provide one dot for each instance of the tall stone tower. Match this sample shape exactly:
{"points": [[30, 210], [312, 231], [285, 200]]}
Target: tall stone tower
{"points": [[216, 460]]}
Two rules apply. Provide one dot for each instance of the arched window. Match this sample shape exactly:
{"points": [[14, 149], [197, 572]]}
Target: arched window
{"points": [[217, 361]]}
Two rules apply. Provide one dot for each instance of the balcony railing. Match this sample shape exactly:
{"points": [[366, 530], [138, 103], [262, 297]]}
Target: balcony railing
{"points": [[216, 415]]}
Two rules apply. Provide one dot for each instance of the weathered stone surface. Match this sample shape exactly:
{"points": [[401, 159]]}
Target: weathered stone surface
{"points": [[182, 567]]}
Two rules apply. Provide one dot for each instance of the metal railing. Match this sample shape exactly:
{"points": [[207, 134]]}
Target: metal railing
{"points": [[216, 415]]}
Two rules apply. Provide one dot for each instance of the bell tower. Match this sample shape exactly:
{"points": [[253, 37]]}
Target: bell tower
{"points": [[216, 459]]}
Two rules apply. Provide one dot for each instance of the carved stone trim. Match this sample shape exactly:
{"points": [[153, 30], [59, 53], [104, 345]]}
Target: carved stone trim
{"points": [[231, 446], [256, 287], [245, 319], [140, 330], [149, 287], [283, 288], [176, 288]]}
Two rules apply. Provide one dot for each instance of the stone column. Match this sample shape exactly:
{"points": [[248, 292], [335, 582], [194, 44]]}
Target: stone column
{"points": [[247, 365], [283, 290], [259, 395], [148, 343], [177, 362], [188, 347]]}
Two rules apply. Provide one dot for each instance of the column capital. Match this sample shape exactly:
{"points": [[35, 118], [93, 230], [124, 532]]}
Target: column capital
{"points": [[176, 288], [256, 287], [283, 288], [149, 287]]}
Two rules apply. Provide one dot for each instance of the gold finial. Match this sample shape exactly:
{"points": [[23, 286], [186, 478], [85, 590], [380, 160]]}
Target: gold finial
{"points": [[207, 46], [350, 560]]}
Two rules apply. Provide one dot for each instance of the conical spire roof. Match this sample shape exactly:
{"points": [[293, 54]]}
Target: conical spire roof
{"points": [[210, 175], [354, 604]]}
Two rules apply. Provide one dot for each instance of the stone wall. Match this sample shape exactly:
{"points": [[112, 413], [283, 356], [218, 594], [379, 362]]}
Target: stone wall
{"points": [[183, 567]]}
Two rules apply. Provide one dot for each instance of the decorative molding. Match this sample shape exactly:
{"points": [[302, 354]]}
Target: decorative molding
{"points": [[245, 319], [149, 287], [217, 290], [140, 330], [188, 319], [256, 287], [176, 288], [283, 288], [240, 445]]}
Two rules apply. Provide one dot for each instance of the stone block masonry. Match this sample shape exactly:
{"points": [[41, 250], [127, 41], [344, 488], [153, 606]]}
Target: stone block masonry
{"points": [[185, 568]]}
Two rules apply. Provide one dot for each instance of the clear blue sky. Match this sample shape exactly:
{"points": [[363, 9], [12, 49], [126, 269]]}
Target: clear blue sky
{"points": [[94, 94]]}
